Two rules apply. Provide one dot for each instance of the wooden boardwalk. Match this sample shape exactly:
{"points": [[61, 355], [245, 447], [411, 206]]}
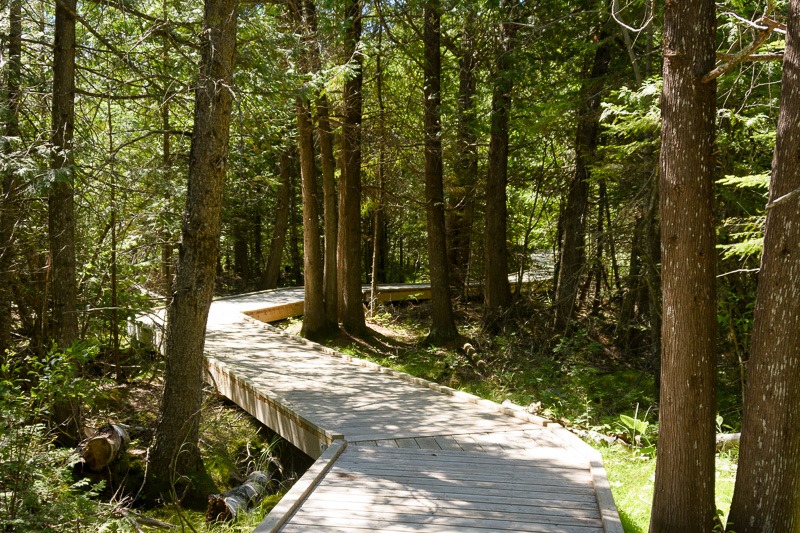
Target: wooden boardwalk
{"points": [[397, 453]]}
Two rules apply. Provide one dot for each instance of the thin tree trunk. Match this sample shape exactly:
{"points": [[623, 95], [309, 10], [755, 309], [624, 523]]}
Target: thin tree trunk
{"points": [[496, 290], [767, 493], [461, 203], [295, 220], [350, 197], [175, 450], [272, 270], [684, 483], [573, 257], [61, 211], [9, 206], [443, 327], [378, 221], [330, 212], [314, 317]]}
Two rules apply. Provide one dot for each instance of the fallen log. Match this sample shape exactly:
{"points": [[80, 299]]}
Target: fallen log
{"points": [[228, 505], [104, 447], [727, 441]]}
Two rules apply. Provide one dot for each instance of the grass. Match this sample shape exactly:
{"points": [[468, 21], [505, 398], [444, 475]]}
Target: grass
{"points": [[580, 381]]}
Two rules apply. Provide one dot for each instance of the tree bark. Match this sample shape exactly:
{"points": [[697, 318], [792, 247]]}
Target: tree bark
{"points": [[443, 327], [329, 280], [572, 257], [684, 482], [461, 197], [314, 318], [496, 291], [61, 211], [175, 449], [349, 249], [766, 497], [9, 206], [61, 201], [272, 270]]}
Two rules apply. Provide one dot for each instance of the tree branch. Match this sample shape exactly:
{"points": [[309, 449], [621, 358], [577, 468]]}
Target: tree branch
{"points": [[742, 55]]}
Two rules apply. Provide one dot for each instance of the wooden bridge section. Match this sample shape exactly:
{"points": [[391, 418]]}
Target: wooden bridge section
{"points": [[397, 453]]}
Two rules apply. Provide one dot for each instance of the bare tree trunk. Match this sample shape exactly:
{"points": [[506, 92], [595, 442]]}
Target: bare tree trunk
{"points": [[272, 271], [461, 197], [496, 290], [684, 484], [573, 258], [9, 204], [314, 317], [443, 327], [767, 493], [378, 220], [330, 212], [350, 195], [175, 450], [61, 211]]}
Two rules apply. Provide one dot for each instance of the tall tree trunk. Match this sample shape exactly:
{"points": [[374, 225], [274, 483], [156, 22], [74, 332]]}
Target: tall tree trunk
{"points": [[684, 484], [329, 280], [295, 220], [496, 291], [61, 210], [167, 246], [61, 201], [175, 450], [350, 197], [767, 493], [272, 271], [314, 318], [443, 327], [461, 197], [379, 218], [572, 258], [9, 204]]}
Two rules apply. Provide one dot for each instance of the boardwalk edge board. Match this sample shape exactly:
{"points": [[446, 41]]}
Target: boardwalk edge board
{"points": [[304, 486]]}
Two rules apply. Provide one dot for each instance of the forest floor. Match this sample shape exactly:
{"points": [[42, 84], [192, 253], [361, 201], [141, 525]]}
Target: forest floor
{"points": [[584, 382]]}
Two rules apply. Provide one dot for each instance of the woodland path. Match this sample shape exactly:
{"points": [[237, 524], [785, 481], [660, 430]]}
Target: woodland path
{"points": [[397, 453]]}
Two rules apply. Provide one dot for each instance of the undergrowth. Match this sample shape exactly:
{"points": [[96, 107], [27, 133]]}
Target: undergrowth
{"points": [[43, 488]]}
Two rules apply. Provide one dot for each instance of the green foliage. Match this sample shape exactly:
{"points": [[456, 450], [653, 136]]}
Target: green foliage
{"points": [[37, 491]]}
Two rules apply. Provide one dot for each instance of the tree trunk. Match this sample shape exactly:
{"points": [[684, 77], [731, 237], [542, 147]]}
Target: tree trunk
{"points": [[767, 493], [179, 414], [272, 270], [61, 211], [461, 197], [496, 290], [295, 220], [9, 208], [443, 327], [684, 483], [350, 196], [572, 258], [379, 218], [314, 317], [331, 218]]}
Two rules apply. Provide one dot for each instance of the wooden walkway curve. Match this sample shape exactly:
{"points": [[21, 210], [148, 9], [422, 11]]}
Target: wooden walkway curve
{"points": [[397, 453]]}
